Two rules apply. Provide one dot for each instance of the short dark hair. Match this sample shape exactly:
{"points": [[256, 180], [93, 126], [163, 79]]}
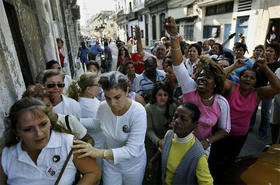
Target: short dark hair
{"points": [[94, 63], [59, 39], [241, 45], [275, 47], [114, 80], [51, 63], [197, 47], [192, 107]]}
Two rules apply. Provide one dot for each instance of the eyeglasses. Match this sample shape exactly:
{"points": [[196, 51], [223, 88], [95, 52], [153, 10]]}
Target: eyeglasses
{"points": [[53, 85]]}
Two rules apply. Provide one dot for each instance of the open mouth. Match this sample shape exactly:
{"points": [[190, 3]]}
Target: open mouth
{"points": [[201, 84]]}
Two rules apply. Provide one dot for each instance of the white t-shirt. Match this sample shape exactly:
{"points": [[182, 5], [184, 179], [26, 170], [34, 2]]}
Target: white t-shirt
{"points": [[21, 170], [89, 108], [76, 127], [124, 134]]}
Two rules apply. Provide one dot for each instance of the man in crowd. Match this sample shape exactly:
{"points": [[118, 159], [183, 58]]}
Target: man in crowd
{"points": [[145, 82]]}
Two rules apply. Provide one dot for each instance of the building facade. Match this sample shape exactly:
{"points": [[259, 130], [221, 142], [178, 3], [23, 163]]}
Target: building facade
{"points": [[198, 20]]}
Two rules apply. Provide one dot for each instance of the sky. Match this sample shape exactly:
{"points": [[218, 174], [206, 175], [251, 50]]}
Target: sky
{"points": [[92, 7]]}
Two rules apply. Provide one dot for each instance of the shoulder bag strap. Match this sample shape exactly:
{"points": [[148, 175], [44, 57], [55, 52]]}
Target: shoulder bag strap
{"points": [[67, 122], [63, 168]]}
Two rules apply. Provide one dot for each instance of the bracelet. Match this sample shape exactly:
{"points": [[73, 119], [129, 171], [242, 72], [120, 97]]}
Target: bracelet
{"points": [[176, 49], [175, 36]]}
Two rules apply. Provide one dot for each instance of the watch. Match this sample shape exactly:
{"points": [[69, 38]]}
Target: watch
{"points": [[208, 141]]}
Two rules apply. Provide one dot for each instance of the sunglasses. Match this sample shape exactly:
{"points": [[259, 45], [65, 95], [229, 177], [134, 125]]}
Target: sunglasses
{"points": [[53, 85]]}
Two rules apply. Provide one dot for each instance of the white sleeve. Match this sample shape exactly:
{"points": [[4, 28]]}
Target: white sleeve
{"points": [[90, 123], [77, 127], [224, 120], [135, 143], [184, 79]]}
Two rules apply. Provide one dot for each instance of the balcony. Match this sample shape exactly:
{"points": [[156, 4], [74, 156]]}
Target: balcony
{"points": [[211, 2], [151, 3], [131, 16]]}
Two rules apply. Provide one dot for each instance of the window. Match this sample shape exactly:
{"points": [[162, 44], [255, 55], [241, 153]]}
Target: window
{"points": [[130, 7], [154, 27], [219, 9], [162, 28], [188, 32], [211, 32]]}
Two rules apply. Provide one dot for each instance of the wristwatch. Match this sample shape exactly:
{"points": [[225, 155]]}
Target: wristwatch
{"points": [[208, 141]]}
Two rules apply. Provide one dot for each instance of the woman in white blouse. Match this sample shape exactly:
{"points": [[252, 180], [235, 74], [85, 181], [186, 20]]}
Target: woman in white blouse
{"points": [[85, 91], [123, 122]]}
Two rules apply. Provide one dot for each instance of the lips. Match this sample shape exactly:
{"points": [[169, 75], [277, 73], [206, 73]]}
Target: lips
{"points": [[201, 84]]}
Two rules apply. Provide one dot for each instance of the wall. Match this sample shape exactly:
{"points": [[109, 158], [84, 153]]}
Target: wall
{"points": [[11, 81]]}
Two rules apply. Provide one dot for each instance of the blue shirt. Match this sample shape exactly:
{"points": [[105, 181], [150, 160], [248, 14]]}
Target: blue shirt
{"points": [[95, 49], [83, 54], [144, 86]]}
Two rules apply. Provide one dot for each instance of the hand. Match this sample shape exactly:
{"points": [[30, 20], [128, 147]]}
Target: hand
{"points": [[149, 171], [231, 36], [170, 26], [86, 150], [240, 62], [261, 62], [138, 33], [160, 143], [205, 144]]}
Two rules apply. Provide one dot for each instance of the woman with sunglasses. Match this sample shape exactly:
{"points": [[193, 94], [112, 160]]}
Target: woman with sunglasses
{"points": [[36, 149], [203, 91], [123, 123], [53, 80]]}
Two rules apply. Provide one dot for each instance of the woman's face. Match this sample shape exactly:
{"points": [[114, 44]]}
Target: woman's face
{"points": [[161, 98], [186, 51], [239, 52], [116, 99], [55, 86], [93, 89], [215, 49], [182, 123], [93, 68], [33, 129], [259, 52], [248, 79], [205, 82], [193, 53]]}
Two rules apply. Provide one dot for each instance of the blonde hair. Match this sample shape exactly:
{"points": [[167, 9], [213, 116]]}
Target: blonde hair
{"points": [[77, 88]]}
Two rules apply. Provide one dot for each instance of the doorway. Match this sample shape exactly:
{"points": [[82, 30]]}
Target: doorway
{"points": [[18, 42]]}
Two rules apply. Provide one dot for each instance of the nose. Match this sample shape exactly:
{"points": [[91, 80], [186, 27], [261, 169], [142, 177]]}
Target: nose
{"points": [[114, 102], [38, 132]]}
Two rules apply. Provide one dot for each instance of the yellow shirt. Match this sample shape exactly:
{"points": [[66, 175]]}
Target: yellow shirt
{"points": [[179, 147]]}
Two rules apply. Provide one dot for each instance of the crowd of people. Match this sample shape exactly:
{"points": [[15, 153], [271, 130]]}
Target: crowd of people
{"points": [[178, 115]]}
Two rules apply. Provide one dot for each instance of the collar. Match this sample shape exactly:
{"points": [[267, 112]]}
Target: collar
{"points": [[183, 140], [54, 142]]}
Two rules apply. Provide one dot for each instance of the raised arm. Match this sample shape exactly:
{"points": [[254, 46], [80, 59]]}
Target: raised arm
{"points": [[228, 39], [172, 30], [182, 74], [139, 43], [273, 88]]}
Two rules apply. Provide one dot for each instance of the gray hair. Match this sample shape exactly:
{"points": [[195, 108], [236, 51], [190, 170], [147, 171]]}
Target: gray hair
{"points": [[114, 80]]}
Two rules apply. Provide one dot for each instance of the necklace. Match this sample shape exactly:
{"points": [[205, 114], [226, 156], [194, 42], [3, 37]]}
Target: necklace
{"points": [[208, 99]]}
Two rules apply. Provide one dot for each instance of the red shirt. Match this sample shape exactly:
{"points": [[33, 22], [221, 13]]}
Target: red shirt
{"points": [[61, 58], [139, 68]]}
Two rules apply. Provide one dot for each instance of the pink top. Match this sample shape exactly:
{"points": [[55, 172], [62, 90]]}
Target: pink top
{"points": [[218, 112], [241, 111]]}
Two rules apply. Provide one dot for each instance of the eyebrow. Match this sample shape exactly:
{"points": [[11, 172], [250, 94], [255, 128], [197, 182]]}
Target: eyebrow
{"points": [[113, 96]]}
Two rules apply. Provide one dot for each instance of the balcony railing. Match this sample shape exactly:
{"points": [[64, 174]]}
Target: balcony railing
{"points": [[131, 16], [150, 3]]}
